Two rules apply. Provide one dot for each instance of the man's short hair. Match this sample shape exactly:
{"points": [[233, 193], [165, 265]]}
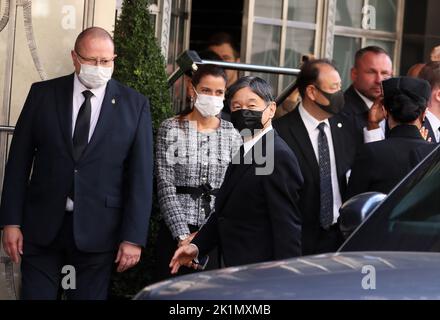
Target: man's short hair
{"points": [[95, 32], [220, 38], [373, 49], [309, 74], [431, 73], [257, 85]]}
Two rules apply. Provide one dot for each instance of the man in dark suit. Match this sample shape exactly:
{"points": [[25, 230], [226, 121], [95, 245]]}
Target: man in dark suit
{"points": [[431, 73], [256, 217], [86, 141], [380, 165], [325, 150], [363, 99]]}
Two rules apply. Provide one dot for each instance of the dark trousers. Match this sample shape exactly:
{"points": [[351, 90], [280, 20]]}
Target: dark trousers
{"points": [[165, 248], [43, 277]]}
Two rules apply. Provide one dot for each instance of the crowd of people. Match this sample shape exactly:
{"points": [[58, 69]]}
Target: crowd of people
{"points": [[234, 184]]}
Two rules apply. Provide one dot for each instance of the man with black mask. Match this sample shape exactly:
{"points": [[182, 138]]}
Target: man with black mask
{"points": [[325, 149], [256, 216]]}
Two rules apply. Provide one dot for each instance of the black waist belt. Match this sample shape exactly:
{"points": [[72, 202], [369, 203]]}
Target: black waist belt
{"points": [[204, 191]]}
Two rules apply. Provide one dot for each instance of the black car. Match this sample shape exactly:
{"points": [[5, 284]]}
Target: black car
{"points": [[393, 254]]}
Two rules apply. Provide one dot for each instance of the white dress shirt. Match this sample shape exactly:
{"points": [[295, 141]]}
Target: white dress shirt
{"points": [[375, 134], [435, 124], [311, 125], [78, 100]]}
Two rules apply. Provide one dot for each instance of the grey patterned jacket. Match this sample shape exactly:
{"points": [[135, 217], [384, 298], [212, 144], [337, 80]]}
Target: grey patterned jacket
{"points": [[187, 158]]}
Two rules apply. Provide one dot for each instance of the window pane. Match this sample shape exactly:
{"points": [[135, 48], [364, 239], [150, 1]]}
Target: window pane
{"points": [[300, 10], [56, 24], [349, 13], [387, 45], [266, 49], [343, 54], [386, 12], [298, 43], [269, 8]]}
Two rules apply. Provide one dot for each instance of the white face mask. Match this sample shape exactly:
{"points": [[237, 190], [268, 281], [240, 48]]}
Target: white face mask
{"points": [[208, 106], [95, 76]]}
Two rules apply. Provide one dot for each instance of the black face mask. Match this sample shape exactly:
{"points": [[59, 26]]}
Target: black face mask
{"points": [[336, 100], [247, 119]]}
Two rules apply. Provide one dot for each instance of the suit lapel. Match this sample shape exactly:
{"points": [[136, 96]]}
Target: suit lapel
{"points": [[359, 107], [236, 169], [109, 103], [342, 150], [64, 100], [300, 135]]}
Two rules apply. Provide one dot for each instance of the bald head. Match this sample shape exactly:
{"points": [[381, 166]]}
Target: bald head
{"points": [[93, 46], [90, 34]]}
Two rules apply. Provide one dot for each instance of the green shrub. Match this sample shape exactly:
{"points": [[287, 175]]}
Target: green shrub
{"points": [[141, 66]]}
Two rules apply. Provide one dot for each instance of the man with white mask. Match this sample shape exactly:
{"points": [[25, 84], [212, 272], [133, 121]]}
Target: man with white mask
{"points": [[78, 183]]}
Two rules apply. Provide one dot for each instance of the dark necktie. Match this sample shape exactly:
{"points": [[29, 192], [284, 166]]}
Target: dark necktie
{"points": [[81, 133], [326, 190], [82, 126]]}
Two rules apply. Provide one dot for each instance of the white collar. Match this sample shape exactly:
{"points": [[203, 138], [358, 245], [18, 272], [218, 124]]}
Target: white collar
{"points": [[310, 122], [433, 121], [250, 143], [367, 101]]}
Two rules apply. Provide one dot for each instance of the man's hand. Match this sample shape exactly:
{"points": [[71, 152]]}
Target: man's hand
{"points": [[184, 257], [128, 256], [13, 242], [187, 240], [376, 114]]}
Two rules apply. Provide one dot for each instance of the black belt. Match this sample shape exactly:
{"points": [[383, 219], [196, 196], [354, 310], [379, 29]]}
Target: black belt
{"points": [[204, 191]]}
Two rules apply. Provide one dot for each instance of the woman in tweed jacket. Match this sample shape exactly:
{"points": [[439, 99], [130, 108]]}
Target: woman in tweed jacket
{"points": [[194, 150]]}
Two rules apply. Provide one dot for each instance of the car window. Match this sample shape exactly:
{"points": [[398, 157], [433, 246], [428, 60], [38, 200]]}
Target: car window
{"points": [[409, 218]]}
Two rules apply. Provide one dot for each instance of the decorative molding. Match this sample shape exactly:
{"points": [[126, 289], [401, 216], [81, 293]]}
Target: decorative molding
{"points": [[11, 13], [29, 30], [5, 18], [329, 32], [89, 13], [166, 7]]}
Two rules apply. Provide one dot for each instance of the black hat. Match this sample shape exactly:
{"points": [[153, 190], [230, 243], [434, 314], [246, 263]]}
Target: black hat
{"points": [[405, 98], [416, 89]]}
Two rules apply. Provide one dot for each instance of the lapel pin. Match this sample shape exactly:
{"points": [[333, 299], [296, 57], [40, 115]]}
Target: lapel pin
{"points": [[339, 125], [113, 101]]}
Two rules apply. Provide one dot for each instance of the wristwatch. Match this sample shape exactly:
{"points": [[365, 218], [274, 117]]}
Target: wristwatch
{"points": [[182, 237]]}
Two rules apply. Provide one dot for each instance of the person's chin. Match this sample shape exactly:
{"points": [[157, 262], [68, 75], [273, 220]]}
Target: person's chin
{"points": [[375, 93]]}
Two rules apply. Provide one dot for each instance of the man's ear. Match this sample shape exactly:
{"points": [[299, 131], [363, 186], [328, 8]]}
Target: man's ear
{"points": [[436, 95], [273, 109], [75, 61], [311, 92], [353, 74]]}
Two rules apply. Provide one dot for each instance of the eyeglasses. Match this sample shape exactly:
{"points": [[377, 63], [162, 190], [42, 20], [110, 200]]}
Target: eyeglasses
{"points": [[94, 61]]}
